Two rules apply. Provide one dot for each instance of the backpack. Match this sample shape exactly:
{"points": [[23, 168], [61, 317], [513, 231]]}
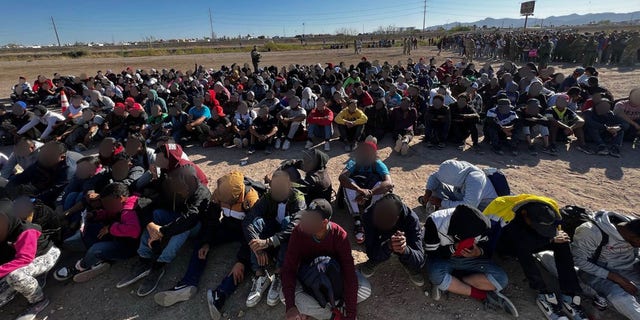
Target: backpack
{"points": [[258, 186], [574, 216], [499, 181], [322, 279]]}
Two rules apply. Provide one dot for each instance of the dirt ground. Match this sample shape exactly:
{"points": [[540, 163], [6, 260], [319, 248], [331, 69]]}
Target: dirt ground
{"points": [[571, 178]]}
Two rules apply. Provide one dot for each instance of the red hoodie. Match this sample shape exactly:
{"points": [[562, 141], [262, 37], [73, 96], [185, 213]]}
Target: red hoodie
{"points": [[125, 223], [174, 155], [318, 117]]}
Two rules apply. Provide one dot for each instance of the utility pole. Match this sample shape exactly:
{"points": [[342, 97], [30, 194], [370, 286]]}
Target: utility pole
{"points": [[211, 25], [424, 15], [56, 31]]}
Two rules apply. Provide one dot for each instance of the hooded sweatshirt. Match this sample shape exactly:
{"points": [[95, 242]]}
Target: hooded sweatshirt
{"points": [[308, 101], [317, 182], [617, 254], [20, 243], [176, 160], [122, 224], [503, 209], [269, 209], [464, 178], [154, 101]]}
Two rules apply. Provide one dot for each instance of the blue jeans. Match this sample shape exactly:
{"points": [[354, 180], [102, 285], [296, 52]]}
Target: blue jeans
{"points": [[440, 271], [169, 252], [600, 136], [318, 131], [71, 199], [624, 302], [108, 248], [267, 228]]}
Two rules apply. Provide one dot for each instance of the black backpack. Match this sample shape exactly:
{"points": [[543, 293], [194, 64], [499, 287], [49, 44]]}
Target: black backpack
{"points": [[573, 217], [258, 186]]}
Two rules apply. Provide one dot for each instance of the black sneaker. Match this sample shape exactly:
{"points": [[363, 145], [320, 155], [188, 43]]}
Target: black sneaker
{"points": [[571, 307], [550, 150], [89, 274], [497, 300], [215, 301], [602, 150], [532, 150], [251, 150], [174, 295], [550, 306], [65, 273], [614, 151], [441, 145], [368, 269], [497, 151], [150, 283], [33, 310], [358, 231], [585, 149], [140, 270]]}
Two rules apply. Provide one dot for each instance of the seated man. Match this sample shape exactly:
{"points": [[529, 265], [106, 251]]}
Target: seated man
{"points": [[317, 242], [14, 121], [464, 119], [52, 121], [403, 119], [197, 126], [267, 230], [456, 241], [262, 131], [72, 199], [499, 126], [392, 228], [364, 181], [526, 224], [230, 202], [564, 122], [458, 182], [290, 123], [604, 129], [437, 121], [109, 234], [179, 208], [351, 122], [89, 130], [320, 120], [316, 182], [25, 153], [629, 111], [614, 272], [533, 123]]}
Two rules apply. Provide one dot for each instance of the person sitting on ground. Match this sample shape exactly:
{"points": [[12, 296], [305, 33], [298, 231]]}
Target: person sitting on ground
{"points": [[178, 210], [141, 155], [499, 126], [177, 123], [403, 119], [378, 119], [316, 182], [71, 201], [109, 234], [533, 123], [564, 123], [242, 121], [290, 123], [220, 130], [22, 90], [230, 202], [364, 181], [363, 97], [525, 224], [53, 121], [17, 119], [455, 240], [437, 121], [629, 111], [263, 130], [136, 120], [25, 153], [115, 122], [88, 130], [613, 273], [74, 111], [458, 182], [604, 129], [268, 228], [197, 127], [318, 244], [464, 119], [391, 228], [155, 123], [319, 121], [351, 121], [122, 170], [25, 253]]}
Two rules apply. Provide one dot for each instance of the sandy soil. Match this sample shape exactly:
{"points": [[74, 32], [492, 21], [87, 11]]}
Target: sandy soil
{"points": [[572, 178]]}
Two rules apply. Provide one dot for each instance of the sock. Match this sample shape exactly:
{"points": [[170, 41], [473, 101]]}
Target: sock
{"points": [[478, 294]]}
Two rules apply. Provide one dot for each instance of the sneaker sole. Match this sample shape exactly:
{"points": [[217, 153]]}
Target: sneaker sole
{"points": [[214, 313], [132, 281], [148, 292], [169, 298], [273, 303], [510, 306], [419, 284], [91, 273], [251, 304]]}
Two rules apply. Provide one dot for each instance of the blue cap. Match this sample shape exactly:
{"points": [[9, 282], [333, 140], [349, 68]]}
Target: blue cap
{"points": [[21, 104]]}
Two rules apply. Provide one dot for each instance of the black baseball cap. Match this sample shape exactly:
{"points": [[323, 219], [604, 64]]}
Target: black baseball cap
{"points": [[321, 206], [544, 220]]}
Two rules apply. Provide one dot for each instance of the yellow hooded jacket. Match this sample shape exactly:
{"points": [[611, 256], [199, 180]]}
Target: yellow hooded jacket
{"points": [[231, 187], [503, 209]]}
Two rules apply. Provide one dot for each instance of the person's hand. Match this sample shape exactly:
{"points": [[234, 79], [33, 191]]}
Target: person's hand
{"points": [[258, 245], [561, 237], [435, 201], [472, 252], [93, 196], [293, 314], [399, 242], [204, 250], [103, 232], [568, 131], [623, 282], [349, 124], [237, 272], [263, 258], [154, 233], [154, 171]]}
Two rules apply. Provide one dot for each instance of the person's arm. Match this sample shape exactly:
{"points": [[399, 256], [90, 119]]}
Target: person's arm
{"points": [[26, 247], [362, 118], [385, 185], [432, 241], [624, 116], [414, 252], [32, 123], [474, 184], [10, 167], [256, 212], [191, 215], [585, 241], [128, 226], [285, 234], [339, 118], [290, 270], [346, 182], [51, 122]]}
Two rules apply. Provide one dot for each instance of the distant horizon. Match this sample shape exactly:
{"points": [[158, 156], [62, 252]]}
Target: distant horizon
{"points": [[96, 22]]}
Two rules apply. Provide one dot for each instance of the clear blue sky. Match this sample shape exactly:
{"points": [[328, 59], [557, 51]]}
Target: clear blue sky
{"points": [[28, 22]]}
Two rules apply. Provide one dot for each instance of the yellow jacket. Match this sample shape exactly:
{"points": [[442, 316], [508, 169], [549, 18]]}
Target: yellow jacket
{"points": [[358, 117], [504, 209]]}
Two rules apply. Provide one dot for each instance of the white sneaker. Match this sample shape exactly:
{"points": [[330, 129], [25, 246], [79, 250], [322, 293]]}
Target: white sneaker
{"points": [[278, 144], [260, 285], [309, 145], [237, 142], [286, 145], [398, 146], [327, 146], [273, 297], [404, 150]]}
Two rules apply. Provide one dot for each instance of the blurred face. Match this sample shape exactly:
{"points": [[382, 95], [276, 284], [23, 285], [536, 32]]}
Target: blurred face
{"points": [[321, 104], [462, 102], [133, 146], [106, 148], [535, 88], [197, 102], [17, 109], [113, 203], [264, 113], [562, 103], [437, 103], [85, 170], [161, 161], [365, 155], [634, 97], [22, 208], [280, 188], [50, 156], [309, 162], [385, 215], [602, 107], [120, 170], [312, 222], [156, 110], [87, 115], [23, 149]]}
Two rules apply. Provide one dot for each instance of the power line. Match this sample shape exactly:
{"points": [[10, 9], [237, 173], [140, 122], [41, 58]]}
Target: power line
{"points": [[56, 31]]}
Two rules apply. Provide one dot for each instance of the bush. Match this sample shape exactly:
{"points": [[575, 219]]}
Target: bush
{"points": [[76, 53]]}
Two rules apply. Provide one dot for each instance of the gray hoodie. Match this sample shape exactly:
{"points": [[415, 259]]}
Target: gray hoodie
{"points": [[465, 178], [617, 254]]}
